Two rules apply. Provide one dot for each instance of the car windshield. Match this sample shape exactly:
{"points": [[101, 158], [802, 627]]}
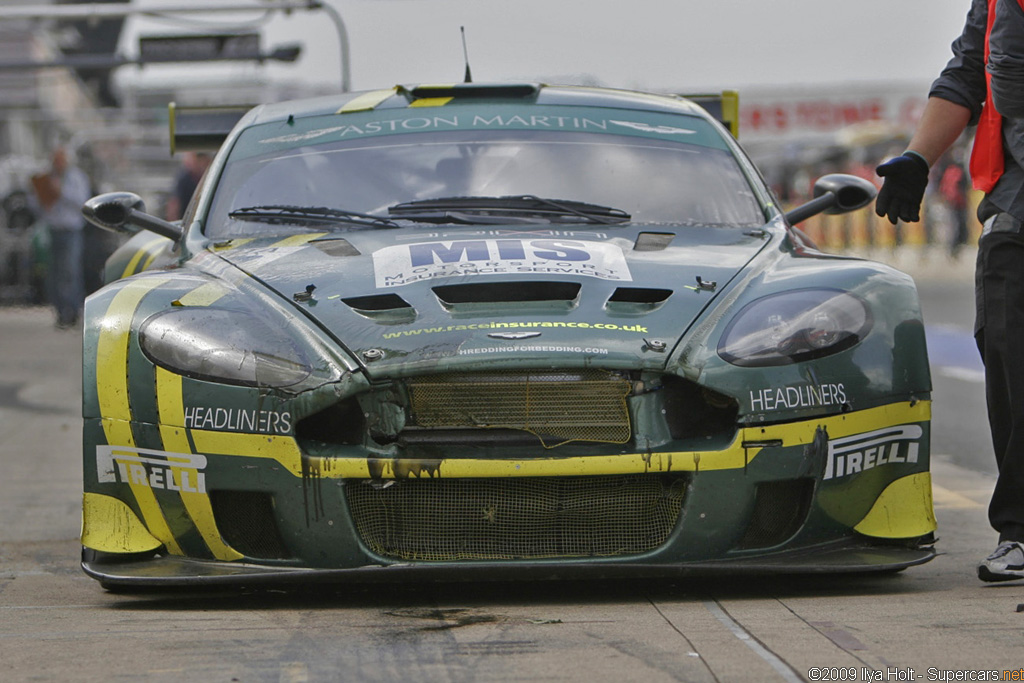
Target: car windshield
{"points": [[652, 180]]}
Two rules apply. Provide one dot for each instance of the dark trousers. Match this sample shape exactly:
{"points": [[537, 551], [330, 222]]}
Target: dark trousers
{"points": [[66, 282], [999, 292]]}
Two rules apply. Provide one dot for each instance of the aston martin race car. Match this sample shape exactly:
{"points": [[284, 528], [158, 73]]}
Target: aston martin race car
{"points": [[507, 330]]}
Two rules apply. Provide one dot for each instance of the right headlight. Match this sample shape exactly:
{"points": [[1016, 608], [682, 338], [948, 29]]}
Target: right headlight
{"points": [[224, 345], [794, 326]]}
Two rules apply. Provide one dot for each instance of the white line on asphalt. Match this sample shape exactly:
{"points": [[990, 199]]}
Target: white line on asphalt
{"points": [[764, 653], [952, 500], [965, 374], [2, 607]]}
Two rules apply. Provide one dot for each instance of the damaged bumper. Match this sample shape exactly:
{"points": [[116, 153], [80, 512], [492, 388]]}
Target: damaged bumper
{"points": [[844, 493]]}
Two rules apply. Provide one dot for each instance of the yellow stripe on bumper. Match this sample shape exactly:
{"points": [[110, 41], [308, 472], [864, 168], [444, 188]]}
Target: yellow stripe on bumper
{"points": [[903, 510], [286, 451], [282, 449], [171, 406], [110, 526], [112, 392], [172, 412]]}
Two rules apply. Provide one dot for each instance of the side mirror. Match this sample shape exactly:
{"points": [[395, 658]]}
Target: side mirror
{"points": [[126, 212], [833, 194]]}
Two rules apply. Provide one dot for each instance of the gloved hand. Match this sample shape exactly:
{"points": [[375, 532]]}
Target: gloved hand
{"points": [[906, 178]]}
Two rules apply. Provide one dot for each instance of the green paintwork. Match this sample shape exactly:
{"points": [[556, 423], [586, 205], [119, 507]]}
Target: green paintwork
{"points": [[358, 350]]}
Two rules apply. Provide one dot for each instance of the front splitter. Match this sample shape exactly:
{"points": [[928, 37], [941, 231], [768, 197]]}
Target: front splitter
{"points": [[171, 571]]}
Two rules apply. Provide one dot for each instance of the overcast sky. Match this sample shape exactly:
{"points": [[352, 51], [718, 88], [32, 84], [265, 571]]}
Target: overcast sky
{"points": [[648, 44]]}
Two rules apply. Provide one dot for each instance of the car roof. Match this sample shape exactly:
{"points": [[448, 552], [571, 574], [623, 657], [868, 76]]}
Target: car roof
{"points": [[204, 128], [400, 97]]}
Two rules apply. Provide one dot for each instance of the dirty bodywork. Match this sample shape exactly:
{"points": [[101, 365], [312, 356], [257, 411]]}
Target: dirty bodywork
{"points": [[481, 331]]}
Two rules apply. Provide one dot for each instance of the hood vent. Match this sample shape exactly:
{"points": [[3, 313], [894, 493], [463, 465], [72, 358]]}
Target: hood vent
{"points": [[636, 300], [335, 246], [385, 308], [546, 295], [653, 241]]}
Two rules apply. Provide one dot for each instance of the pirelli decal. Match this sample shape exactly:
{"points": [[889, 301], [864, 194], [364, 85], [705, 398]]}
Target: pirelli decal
{"points": [[152, 468], [861, 452]]}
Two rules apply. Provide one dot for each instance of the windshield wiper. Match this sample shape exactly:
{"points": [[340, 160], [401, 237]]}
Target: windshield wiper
{"points": [[498, 209], [279, 213]]}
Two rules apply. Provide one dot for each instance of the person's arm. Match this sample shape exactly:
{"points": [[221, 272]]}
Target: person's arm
{"points": [[1006, 59], [954, 102], [906, 176], [941, 124]]}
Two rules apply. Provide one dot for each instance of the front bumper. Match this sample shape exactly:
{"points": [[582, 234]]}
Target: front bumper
{"points": [[843, 493]]}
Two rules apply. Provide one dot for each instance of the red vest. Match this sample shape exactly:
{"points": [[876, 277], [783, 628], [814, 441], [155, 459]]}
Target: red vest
{"points": [[987, 154]]}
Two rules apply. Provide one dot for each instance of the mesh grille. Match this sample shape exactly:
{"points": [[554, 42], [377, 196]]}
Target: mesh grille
{"points": [[516, 518], [557, 407]]}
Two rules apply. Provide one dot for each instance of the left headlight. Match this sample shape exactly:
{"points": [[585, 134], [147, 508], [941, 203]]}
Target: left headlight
{"points": [[794, 326], [223, 345]]}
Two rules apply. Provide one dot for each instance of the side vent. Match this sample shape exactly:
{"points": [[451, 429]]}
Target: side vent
{"points": [[384, 308], [247, 523], [780, 508], [697, 413], [342, 423]]}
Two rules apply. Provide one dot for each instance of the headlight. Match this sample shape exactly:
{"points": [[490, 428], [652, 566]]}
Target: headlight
{"points": [[796, 326], [223, 345]]}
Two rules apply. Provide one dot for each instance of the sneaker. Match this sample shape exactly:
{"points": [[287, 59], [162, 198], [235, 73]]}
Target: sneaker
{"points": [[1005, 564]]}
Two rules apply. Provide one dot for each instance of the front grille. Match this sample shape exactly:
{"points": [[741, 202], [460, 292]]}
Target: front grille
{"points": [[558, 407], [516, 518]]}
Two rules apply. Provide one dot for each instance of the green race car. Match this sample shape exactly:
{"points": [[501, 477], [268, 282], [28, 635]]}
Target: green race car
{"points": [[496, 331]]}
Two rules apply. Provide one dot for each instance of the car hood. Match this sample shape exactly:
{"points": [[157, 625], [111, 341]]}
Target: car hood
{"points": [[413, 300]]}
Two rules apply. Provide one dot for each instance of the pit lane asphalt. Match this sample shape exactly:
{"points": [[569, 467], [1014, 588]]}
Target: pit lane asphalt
{"points": [[58, 625]]}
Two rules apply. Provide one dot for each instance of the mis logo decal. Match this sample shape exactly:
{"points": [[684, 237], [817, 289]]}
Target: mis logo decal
{"points": [[401, 265]]}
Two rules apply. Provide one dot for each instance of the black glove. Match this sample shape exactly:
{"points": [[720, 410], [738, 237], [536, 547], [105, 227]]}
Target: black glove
{"points": [[906, 178]]}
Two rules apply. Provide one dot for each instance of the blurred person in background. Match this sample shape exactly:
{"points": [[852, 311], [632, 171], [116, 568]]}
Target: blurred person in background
{"points": [[57, 197], [193, 166], [953, 186], [983, 84]]}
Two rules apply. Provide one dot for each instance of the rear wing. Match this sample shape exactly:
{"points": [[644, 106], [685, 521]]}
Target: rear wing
{"points": [[724, 106], [202, 129]]}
